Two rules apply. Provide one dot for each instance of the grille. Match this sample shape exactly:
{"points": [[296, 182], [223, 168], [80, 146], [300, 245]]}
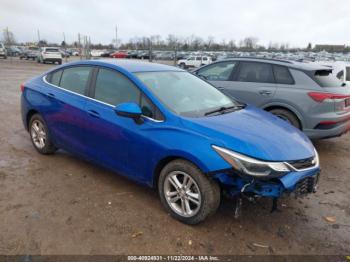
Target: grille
{"points": [[304, 163], [306, 185]]}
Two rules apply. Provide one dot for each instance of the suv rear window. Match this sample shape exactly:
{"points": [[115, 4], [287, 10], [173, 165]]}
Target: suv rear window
{"points": [[282, 75], [51, 50], [325, 78]]}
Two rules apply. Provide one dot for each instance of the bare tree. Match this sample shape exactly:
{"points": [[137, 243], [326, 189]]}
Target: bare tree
{"points": [[8, 37]]}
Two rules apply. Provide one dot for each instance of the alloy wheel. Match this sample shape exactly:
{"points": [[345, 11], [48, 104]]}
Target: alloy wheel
{"points": [[38, 134], [182, 193]]}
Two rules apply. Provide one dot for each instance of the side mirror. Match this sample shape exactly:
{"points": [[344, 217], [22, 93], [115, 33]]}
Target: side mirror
{"points": [[130, 110]]}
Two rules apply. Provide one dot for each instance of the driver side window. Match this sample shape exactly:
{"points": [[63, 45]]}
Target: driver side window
{"points": [[218, 72]]}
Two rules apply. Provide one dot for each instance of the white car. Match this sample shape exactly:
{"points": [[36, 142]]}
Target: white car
{"points": [[49, 54], [341, 69], [97, 53], [194, 61], [3, 51]]}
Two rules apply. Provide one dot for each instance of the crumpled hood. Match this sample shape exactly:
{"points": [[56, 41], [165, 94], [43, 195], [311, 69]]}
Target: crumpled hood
{"points": [[254, 132]]}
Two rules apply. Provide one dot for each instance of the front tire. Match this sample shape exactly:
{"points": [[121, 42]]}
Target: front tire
{"points": [[40, 136], [186, 193]]}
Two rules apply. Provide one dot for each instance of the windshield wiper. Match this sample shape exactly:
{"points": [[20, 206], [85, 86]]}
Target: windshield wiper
{"points": [[222, 109]]}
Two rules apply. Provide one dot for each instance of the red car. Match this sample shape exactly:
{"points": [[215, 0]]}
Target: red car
{"points": [[119, 54]]}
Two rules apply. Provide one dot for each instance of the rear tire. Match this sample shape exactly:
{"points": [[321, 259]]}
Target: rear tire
{"points": [[182, 65], [40, 136], [195, 196], [287, 116]]}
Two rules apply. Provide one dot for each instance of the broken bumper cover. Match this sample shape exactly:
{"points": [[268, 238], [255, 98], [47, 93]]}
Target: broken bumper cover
{"points": [[299, 183]]}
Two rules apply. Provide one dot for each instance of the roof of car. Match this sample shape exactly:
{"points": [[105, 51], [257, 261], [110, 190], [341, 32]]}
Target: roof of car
{"points": [[292, 64], [132, 65]]}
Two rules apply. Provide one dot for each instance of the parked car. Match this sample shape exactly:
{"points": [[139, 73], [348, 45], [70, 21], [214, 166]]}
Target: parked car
{"points": [[306, 95], [96, 53], [50, 54], [194, 61], [13, 51], [131, 54], [107, 53], [119, 54], [168, 129], [340, 69], [31, 52], [3, 52], [64, 53]]}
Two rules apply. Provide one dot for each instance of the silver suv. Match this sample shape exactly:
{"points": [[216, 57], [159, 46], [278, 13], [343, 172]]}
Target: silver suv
{"points": [[308, 96]]}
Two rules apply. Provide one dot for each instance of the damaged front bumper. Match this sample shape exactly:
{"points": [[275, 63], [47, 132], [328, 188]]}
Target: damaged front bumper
{"points": [[299, 183]]}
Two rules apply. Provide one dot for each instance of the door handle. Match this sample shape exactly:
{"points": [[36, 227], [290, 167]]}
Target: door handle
{"points": [[221, 88], [51, 95], [93, 113], [265, 92]]}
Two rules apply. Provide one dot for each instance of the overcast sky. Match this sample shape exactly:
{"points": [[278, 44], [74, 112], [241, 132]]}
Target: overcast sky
{"points": [[296, 22]]}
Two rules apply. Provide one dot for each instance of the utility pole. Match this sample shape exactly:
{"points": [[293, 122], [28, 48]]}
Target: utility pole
{"points": [[80, 51], [9, 40], [65, 47], [38, 38], [116, 37]]}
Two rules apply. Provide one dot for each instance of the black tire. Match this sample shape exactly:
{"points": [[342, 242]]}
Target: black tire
{"points": [[5, 57], [287, 116], [49, 147], [182, 65], [209, 191], [60, 62]]}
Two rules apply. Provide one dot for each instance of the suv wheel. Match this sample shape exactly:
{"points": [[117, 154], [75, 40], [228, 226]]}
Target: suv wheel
{"points": [[182, 65], [287, 116], [40, 136], [187, 193]]}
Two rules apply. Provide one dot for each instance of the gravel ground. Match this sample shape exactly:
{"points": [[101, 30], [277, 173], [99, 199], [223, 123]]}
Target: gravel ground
{"points": [[60, 204]]}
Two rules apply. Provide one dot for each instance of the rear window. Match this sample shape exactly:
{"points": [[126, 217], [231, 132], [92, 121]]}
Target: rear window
{"points": [[348, 73], [51, 50], [282, 75], [55, 77], [75, 79], [325, 78]]}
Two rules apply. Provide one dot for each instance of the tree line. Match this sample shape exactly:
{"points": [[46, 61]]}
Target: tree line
{"points": [[173, 42]]}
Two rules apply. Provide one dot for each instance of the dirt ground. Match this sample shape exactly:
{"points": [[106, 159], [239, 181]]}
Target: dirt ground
{"points": [[60, 204]]}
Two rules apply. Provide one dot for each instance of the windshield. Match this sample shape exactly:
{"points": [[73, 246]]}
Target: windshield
{"points": [[184, 93]]}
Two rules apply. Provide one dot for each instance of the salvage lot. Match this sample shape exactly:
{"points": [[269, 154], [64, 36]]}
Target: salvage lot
{"points": [[63, 205]]}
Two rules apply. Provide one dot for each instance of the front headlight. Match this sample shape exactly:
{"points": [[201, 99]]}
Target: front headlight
{"points": [[251, 166]]}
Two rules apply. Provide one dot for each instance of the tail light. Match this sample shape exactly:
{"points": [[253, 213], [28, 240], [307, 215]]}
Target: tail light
{"points": [[22, 87], [320, 97]]}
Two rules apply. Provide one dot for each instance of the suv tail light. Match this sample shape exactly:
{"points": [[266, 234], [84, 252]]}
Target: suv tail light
{"points": [[22, 87], [320, 97]]}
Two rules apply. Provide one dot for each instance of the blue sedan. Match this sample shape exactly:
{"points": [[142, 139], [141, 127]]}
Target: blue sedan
{"points": [[166, 128]]}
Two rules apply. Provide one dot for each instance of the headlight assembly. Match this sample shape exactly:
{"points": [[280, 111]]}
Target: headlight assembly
{"points": [[251, 166]]}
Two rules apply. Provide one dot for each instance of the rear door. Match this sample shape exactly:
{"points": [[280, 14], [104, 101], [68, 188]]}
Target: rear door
{"points": [[64, 110], [253, 83]]}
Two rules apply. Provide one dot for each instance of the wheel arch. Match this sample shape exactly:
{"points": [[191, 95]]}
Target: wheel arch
{"points": [[29, 116], [166, 160], [292, 110]]}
